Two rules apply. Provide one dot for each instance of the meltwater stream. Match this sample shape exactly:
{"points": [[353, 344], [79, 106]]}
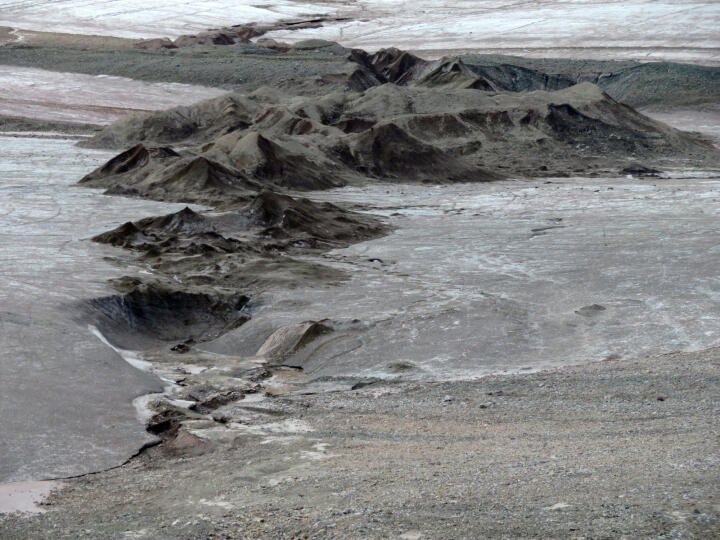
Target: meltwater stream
{"points": [[65, 397]]}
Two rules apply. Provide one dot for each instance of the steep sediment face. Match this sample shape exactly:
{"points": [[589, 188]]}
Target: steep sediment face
{"points": [[145, 314]]}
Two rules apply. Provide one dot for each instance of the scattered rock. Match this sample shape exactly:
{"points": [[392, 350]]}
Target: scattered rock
{"points": [[288, 339], [206, 38], [183, 441], [274, 45], [640, 170], [591, 310], [558, 506], [155, 44]]}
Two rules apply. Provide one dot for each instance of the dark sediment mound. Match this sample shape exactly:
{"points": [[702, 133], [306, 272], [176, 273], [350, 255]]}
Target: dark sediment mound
{"points": [[510, 78], [300, 223], [307, 222], [129, 167], [657, 84], [244, 249], [206, 38], [640, 170], [146, 313], [390, 65], [185, 221], [264, 159], [455, 74], [163, 174], [402, 68], [155, 44], [195, 123], [399, 133], [185, 231], [402, 133], [127, 235], [387, 151], [135, 158], [199, 180]]}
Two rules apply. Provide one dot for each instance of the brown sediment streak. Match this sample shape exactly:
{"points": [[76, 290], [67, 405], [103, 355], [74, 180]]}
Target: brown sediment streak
{"points": [[74, 107]]}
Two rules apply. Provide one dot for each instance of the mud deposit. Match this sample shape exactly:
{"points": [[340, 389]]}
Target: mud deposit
{"points": [[66, 397]]}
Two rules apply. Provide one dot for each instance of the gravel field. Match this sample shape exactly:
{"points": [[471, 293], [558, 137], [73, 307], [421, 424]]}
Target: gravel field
{"points": [[614, 449]]}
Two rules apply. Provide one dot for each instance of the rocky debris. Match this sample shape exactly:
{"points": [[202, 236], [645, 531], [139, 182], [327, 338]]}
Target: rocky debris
{"points": [[185, 443], [205, 38], [245, 33], [289, 339], [640, 170], [155, 44], [274, 45], [552, 438]]}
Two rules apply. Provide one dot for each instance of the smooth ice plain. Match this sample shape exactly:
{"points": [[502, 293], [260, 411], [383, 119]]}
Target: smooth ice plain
{"points": [[66, 404], [513, 276]]}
